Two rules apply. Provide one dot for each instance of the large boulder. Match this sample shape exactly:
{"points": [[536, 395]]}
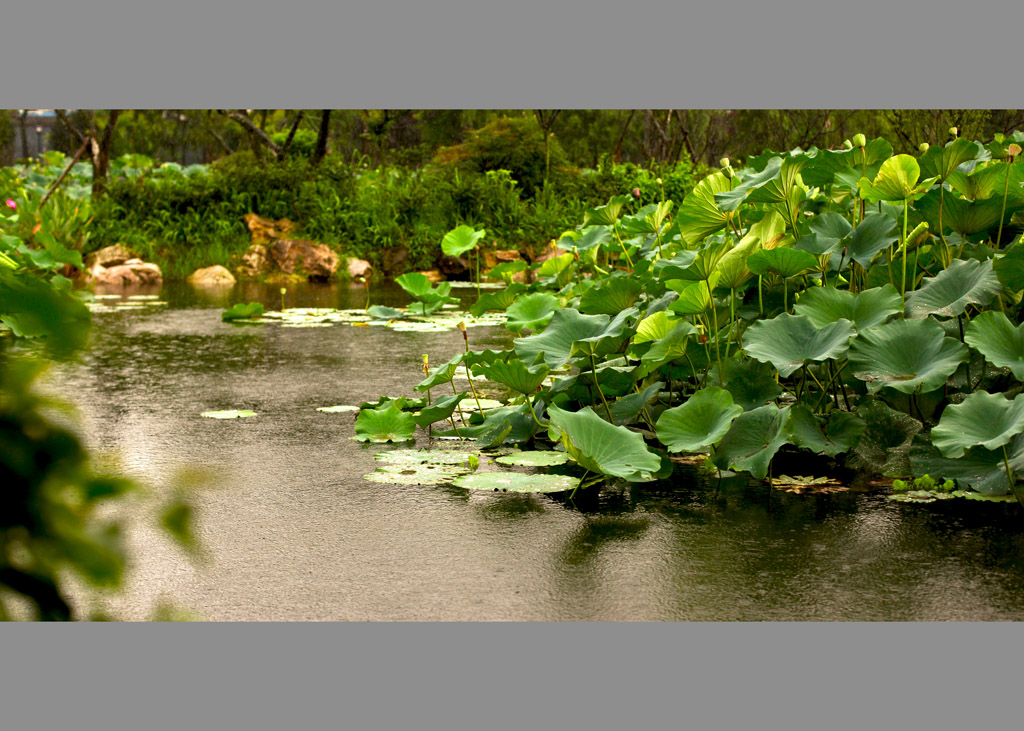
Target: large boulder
{"points": [[433, 276], [108, 256], [255, 262], [359, 269], [308, 258], [214, 276], [266, 230], [133, 272], [494, 258], [453, 267]]}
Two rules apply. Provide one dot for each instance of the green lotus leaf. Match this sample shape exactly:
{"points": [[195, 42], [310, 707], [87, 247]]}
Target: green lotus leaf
{"points": [[242, 311], [380, 312], [732, 269], [699, 215], [830, 233], [232, 414], [460, 240], [555, 266], [337, 409], [730, 200], [871, 307], [1010, 268], [609, 339], [994, 336], [517, 482], [427, 456], [675, 267], [610, 297], [648, 220], [964, 282], [788, 341], [840, 434], [389, 424], [846, 167], [980, 469], [608, 214], [885, 445], [604, 448], [700, 422], [502, 424], [982, 419], [965, 217], [704, 266], [872, 235], [941, 162], [752, 440], [897, 181], [514, 374], [555, 343], [908, 355], [417, 474], [785, 262], [546, 458], [441, 374], [989, 182], [531, 311], [506, 270], [415, 284], [626, 409], [496, 300], [438, 411], [654, 327], [786, 187], [671, 346], [592, 237], [750, 382]]}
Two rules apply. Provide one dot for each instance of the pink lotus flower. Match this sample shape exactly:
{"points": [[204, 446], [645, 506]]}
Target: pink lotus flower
{"points": [[636, 192], [12, 205]]}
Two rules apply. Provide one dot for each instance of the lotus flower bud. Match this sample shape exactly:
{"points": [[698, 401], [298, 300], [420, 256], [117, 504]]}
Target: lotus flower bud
{"points": [[284, 291], [847, 145], [923, 147], [1013, 150], [952, 131], [859, 140], [658, 181], [636, 192], [724, 163], [12, 205], [462, 326]]}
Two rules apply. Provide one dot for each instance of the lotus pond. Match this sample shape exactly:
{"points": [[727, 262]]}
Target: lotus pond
{"points": [[293, 530]]}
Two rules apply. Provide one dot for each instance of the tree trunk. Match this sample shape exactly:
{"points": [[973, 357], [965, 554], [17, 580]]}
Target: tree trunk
{"points": [[101, 155], [22, 119], [321, 138]]}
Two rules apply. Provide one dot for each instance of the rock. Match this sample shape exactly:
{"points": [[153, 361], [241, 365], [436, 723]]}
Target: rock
{"points": [[453, 266], [254, 262], [433, 275], [315, 261], [127, 274], [108, 256], [393, 258], [266, 230], [494, 258], [211, 276], [360, 269]]}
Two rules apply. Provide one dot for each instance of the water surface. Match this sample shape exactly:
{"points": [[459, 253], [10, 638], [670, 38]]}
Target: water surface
{"points": [[291, 531]]}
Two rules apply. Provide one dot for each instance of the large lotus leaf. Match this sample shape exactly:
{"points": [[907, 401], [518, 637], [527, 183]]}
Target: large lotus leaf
{"points": [[840, 434], [699, 215], [964, 282], [753, 440], [242, 311], [751, 383], [786, 186], [654, 327], [555, 343], [611, 296], [730, 200], [390, 424], [785, 262], [694, 297], [380, 312], [871, 307], [609, 340], [994, 336], [675, 267], [982, 419], [442, 374], [497, 300], [875, 233], [963, 216], [604, 448], [531, 311], [416, 284], [607, 214], [908, 355], [671, 346], [732, 269], [700, 422], [460, 240], [980, 469], [556, 266], [941, 162], [846, 167], [830, 233], [502, 424], [438, 411], [506, 270], [514, 374], [1010, 268], [897, 180], [885, 444], [648, 220], [989, 182], [788, 341], [706, 264], [517, 482], [626, 410]]}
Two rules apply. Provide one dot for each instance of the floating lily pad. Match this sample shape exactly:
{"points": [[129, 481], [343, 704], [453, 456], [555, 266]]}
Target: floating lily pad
{"points": [[337, 409], [416, 474], [234, 414], [815, 485], [144, 297], [534, 459], [516, 482], [427, 456]]}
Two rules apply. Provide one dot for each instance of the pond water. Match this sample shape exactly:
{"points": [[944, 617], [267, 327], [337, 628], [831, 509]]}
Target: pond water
{"points": [[292, 531]]}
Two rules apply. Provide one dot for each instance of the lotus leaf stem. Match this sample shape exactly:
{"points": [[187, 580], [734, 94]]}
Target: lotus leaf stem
{"points": [[607, 409]]}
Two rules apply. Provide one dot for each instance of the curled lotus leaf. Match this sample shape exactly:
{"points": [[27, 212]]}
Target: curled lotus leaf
{"points": [[995, 337], [389, 424], [531, 311], [983, 419], [752, 441], [602, 447]]}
